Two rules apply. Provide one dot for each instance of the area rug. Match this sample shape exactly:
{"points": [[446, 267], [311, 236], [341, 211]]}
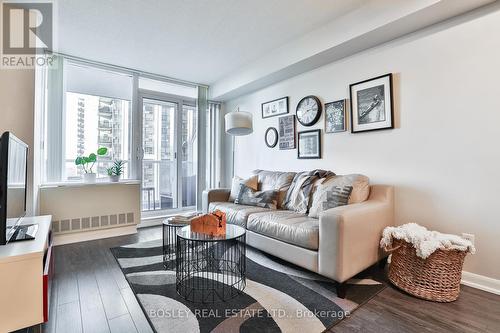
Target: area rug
{"points": [[278, 297]]}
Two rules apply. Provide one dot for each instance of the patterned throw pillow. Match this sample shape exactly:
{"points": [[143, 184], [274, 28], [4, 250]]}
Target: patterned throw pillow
{"points": [[252, 182], [360, 186], [250, 197], [327, 197], [299, 194]]}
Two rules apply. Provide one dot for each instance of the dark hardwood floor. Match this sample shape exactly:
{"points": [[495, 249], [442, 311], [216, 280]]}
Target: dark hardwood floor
{"points": [[91, 295]]}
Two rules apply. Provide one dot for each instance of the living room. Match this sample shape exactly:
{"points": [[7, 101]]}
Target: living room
{"points": [[249, 166]]}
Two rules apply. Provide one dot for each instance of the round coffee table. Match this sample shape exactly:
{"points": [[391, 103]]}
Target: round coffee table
{"points": [[169, 239], [210, 269]]}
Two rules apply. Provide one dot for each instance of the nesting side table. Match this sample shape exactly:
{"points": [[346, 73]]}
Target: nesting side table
{"points": [[210, 269], [169, 242]]}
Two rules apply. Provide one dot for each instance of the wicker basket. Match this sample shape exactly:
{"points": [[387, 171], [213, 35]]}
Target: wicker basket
{"points": [[436, 278]]}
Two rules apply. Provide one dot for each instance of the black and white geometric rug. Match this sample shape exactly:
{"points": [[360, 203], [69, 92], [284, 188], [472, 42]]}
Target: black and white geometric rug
{"points": [[278, 297]]}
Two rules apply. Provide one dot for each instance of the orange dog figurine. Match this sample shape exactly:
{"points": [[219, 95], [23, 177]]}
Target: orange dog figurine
{"points": [[213, 224]]}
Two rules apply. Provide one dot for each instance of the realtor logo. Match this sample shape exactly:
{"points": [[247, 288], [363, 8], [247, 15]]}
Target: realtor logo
{"points": [[27, 27], [27, 32]]}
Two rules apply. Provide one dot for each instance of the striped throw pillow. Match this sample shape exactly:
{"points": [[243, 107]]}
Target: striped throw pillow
{"points": [[327, 197]]}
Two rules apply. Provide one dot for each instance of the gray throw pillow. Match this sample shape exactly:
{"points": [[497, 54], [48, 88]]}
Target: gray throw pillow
{"points": [[329, 197], [250, 197]]}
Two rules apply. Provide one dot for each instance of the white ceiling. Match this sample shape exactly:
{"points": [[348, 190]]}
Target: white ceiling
{"points": [[195, 40], [239, 46]]}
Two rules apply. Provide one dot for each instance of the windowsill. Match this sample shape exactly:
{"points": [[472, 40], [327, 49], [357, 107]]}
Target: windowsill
{"points": [[163, 214], [103, 182]]}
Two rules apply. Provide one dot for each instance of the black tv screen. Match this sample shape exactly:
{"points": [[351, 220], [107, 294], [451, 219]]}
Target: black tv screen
{"points": [[13, 163]]}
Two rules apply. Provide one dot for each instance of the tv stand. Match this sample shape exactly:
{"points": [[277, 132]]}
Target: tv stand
{"points": [[26, 270], [24, 232]]}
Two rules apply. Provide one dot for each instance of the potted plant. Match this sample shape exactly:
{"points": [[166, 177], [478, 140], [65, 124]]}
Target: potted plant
{"points": [[87, 163], [116, 170]]}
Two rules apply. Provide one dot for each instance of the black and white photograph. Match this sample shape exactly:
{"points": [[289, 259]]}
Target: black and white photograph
{"points": [[372, 104], [335, 119], [276, 107], [309, 144], [286, 132]]}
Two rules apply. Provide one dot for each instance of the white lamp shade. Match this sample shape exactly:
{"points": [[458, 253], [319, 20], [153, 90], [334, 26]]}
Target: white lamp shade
{"points": [[238, 123]]}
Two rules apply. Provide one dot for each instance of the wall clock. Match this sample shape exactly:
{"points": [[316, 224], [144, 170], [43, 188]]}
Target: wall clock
{"points": [[271, 137], [308, 110]]}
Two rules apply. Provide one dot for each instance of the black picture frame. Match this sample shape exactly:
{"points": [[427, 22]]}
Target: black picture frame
{"points": [[318, 138], [273, 101], [342, 102], [354, 110], [275, 142], [281, 135]]}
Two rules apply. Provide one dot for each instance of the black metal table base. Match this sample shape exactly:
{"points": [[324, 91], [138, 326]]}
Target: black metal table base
{"points": [[169, 240], [210, 271]]}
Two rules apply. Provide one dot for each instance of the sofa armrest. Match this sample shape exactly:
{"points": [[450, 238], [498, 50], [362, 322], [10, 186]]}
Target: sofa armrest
{"points": [[214, 195], [349, 235]]}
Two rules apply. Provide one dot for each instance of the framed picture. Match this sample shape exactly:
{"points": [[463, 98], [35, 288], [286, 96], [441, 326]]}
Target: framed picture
{"points": [[275, 108], [372, 104], [286, 132], [309, 144], [271, 137], [335, 120]]}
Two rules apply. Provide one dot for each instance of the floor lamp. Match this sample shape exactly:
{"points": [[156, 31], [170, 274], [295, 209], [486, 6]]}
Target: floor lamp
{"points": [[238, 123]]}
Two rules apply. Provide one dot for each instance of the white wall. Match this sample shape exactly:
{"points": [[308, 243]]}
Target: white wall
{"points": [[17, 91], [444, 155]]}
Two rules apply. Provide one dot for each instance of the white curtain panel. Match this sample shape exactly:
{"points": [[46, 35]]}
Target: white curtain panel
{"points": [[214, 137]]}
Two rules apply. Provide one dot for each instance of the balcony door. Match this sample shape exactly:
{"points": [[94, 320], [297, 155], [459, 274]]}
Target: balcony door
{"points": [[169, 154]]}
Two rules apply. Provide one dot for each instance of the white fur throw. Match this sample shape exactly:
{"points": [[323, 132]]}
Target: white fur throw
{"points": [[424, 241]]}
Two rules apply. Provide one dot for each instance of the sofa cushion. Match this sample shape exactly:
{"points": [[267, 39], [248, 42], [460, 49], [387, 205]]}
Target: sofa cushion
{"points": [[236, 214], [275, 180], [251, 182], [287, 226]]}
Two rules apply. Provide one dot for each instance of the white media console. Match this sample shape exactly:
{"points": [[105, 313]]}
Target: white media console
{"points": [[26, 269]]}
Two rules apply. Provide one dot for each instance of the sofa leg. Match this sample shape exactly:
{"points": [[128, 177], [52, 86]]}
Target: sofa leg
{"points": [[341, 289], [382, 263]]}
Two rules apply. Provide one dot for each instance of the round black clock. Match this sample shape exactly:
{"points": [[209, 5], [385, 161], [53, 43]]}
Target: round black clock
{"points": [[309, 110]]}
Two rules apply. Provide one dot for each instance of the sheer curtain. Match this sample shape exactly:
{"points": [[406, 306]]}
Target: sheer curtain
{"points": [[214, 137]]}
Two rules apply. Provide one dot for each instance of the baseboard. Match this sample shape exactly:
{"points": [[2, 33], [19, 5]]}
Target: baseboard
{"points": [[481, 282], [77, 237]]}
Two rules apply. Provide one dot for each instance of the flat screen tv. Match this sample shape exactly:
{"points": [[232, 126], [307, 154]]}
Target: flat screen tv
{"points": [[13, 173]]}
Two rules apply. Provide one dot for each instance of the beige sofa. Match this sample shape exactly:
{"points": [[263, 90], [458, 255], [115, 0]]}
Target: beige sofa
{"points": [[341, 243]]}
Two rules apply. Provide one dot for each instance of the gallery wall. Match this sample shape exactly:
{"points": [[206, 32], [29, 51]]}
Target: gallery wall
{"points": [[443, 157], [17, 91]]}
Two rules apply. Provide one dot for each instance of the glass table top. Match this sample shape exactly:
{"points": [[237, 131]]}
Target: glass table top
{"points": [[232, 232]]}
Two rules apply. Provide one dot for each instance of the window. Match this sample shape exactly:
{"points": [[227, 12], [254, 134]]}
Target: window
{"points": [[151, 124], [93, 122], [88, 108]]}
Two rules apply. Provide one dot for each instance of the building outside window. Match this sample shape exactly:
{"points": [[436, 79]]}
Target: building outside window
{"points": [[93, 122]]}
